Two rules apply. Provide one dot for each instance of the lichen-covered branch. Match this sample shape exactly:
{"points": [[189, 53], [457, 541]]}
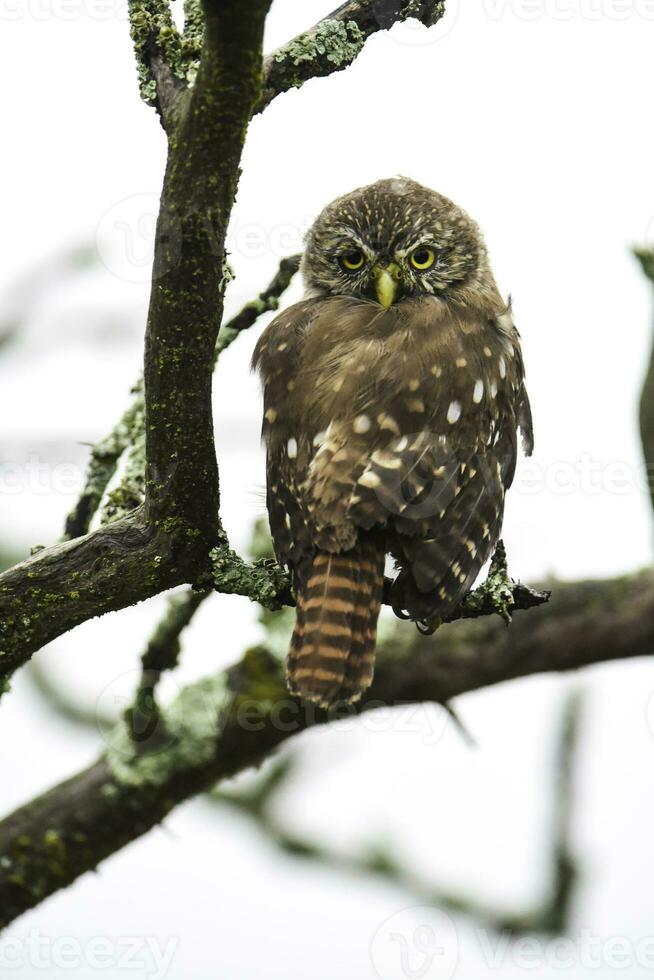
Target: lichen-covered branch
{"points": [[265, 582], [226, 724], [161, 653], [335, 42], [164, 62]]}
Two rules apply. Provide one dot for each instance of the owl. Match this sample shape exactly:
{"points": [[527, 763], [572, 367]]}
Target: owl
{"points": [[393, 397]]}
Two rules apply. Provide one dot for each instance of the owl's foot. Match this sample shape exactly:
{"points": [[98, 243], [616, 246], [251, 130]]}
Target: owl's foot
{"points": [[428, 611], [408, 602], [429, 626]]}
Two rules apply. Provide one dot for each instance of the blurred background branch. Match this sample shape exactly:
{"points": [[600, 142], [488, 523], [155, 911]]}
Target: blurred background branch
{"points": [[258, 802]]}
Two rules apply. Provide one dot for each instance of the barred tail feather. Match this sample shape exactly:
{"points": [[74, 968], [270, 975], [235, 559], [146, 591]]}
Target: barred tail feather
{"points": [[332, 651]]}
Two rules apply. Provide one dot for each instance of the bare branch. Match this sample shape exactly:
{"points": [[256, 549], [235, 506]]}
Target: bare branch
{"points": [[226, 724], [335, 42]]}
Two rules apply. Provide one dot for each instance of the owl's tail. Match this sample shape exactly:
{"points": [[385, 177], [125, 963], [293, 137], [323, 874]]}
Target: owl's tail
{"points": [[332, 653]]}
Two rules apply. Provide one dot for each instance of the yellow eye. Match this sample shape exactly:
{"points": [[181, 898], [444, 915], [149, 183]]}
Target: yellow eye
{"points": [[423, 258], [352, 260]]}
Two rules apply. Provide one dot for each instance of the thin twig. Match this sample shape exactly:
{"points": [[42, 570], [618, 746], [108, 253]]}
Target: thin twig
{"points": [[144, 717], [337, 40]]}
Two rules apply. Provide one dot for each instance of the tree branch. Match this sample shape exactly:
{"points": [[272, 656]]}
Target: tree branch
{"points": [[335, 42], [266, 582], [171, 536], [225, 724], [188, 279]]}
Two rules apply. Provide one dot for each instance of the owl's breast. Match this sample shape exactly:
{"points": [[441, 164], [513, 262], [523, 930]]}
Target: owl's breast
{"points": [[417, 366]]}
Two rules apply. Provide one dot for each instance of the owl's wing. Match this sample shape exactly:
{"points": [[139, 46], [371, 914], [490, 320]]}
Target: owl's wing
{"points": [[276, 357], [389, 420], [429, 458], [444, 536], [441, 502]]}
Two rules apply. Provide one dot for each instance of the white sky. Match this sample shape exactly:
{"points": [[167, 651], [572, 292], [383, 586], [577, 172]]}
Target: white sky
{"points": [[540, 127]]}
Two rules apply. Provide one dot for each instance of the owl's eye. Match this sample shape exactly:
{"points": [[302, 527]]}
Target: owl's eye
{"points": [[352, 260], [423, 258]]}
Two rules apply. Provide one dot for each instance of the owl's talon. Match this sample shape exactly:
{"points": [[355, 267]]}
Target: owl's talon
{"points": [[429, 626]]}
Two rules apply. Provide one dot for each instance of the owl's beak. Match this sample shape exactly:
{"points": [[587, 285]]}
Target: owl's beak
{"points": [[387, 283]]}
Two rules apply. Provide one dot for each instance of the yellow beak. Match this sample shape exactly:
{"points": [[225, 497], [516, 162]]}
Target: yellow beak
{"points": [[387, 283]]}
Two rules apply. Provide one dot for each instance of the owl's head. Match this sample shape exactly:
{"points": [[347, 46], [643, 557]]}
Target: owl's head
{"points": [[392, 240]]}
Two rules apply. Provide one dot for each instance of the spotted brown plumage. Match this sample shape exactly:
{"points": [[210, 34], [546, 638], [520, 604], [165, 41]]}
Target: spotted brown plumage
{"points": [[393, 394]]}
